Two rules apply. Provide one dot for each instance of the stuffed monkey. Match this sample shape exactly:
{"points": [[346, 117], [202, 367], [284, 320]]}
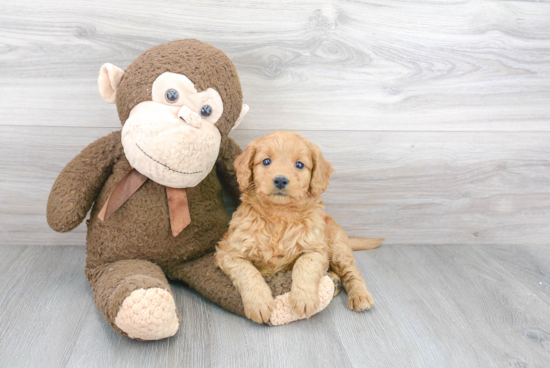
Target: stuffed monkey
{"points": [[155, 187]]}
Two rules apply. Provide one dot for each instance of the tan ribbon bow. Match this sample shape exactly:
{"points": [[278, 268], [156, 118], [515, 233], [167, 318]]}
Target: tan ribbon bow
{"points": [[130, 183]]}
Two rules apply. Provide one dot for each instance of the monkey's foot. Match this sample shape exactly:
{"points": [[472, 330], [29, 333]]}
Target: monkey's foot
{"points": [[283, 314], [336, 281], [148, 314]]}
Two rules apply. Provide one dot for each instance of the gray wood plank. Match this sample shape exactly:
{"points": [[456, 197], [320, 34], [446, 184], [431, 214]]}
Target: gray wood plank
{"points": [[410, 187], [315, 64], [528, 265], [452, 306], [211, 337], [44, 300]]}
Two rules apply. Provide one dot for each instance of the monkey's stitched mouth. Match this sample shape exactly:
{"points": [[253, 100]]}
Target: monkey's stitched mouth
{"points": [[166, 166]]}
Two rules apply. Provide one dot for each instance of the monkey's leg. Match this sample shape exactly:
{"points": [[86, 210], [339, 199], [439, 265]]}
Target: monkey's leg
{"points": [[336, 281], [135, 298], [203, 276]]}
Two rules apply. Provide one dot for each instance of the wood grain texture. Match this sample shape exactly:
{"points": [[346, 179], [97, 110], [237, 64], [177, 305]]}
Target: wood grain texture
{"points": [[308, 65], [436, 306], [409, 187], [435, 113]]}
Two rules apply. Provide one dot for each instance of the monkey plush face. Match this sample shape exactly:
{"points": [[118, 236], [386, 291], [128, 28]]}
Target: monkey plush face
{"points": [[177, 102], [173, 138]]}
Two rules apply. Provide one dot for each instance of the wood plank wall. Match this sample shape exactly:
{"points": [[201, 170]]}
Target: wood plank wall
{"points": [[435, 114]]}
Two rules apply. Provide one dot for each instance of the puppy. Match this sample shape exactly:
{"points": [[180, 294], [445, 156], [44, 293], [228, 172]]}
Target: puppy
{"points": [[280, 225]]}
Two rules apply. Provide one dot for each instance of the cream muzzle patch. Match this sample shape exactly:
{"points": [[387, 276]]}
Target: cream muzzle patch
{"points": [[173, 139]]}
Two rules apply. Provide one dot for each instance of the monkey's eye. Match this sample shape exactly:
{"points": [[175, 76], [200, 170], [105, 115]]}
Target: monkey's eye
{"points": [[266, 162], [206, 110], [172, 96], [299, 165]]}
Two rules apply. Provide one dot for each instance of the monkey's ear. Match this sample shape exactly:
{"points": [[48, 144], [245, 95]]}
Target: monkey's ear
{"points": [[244, 111], [109, 79], [244, 167]]}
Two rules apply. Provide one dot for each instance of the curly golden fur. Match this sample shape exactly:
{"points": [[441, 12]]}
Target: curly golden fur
{"points": [[281, 226]]}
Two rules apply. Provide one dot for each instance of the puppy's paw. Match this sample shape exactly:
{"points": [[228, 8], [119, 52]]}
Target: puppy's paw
{"points": [[360, 302], [304, 302], [258, 306]]}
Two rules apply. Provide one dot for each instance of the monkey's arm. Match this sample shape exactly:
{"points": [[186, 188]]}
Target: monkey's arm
{"points": [[79, 183], [229, 150]]}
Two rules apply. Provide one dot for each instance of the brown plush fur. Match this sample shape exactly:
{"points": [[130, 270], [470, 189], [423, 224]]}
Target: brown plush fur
{"points": [[280, 229], [135, 247]]}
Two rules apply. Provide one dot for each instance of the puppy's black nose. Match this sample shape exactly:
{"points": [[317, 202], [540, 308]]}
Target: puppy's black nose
{"points": [[280, 181]]}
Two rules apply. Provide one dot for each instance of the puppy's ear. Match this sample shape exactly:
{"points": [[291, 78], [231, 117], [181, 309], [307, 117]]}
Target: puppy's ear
{"points": [[321, 172], [244, 166]]}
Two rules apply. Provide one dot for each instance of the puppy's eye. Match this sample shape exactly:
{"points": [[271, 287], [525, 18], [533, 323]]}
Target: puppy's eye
{"points": [[206, 110], [172, 96], [266, 162], [299, 165]]}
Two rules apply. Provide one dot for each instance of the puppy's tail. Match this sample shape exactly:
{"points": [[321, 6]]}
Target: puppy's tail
{"points": [[364, 243]]}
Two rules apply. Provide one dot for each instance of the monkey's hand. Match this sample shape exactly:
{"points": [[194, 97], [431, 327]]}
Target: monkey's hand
{"points": [[79, 183]]}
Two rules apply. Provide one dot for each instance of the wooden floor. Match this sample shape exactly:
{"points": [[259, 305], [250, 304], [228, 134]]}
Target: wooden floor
{"points": [[436, 306]]}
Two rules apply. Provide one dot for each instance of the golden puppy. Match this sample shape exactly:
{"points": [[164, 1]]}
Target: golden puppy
{"points": [[281, 226]]}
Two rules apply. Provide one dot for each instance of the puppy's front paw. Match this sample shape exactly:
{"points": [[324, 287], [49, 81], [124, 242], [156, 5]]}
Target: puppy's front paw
{"points": [[304, 302], [360, 302], [258, 306]]}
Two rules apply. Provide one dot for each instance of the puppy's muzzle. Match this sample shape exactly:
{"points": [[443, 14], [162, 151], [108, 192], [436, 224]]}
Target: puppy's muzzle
{"points": [[280, 182]]}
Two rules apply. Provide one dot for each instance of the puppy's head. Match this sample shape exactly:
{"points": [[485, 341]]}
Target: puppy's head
{"points": [[283, 167]]}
